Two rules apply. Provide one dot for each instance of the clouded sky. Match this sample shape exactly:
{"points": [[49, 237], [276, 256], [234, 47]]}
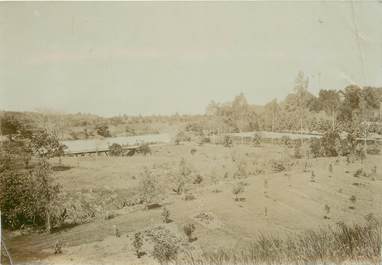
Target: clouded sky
{"points": [[166, 57]]}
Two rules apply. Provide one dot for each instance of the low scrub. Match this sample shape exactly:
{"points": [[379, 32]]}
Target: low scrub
{"points": [[373, 150], [359, 243], [278, 165]]}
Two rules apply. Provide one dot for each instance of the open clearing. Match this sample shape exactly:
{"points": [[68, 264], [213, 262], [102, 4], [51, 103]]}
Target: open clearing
{"points": [[279, 203]]}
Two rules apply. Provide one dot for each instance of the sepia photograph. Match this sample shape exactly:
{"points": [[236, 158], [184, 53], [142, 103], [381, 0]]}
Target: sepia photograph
{"points": [[191, 132]]}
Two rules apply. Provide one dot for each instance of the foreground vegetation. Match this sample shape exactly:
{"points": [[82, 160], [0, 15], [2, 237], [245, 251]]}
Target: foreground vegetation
{"points": [[357, 243]]}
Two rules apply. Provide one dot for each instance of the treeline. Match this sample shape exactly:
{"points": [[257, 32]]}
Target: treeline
{"points": [[343, 110], [86, 126]]}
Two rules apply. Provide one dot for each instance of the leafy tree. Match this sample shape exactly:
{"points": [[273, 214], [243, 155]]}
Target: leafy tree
{"points": [[148, 187], [116, 149], [9, 124], [329, 101], [328, 143], [103, 130], [27, 195]]}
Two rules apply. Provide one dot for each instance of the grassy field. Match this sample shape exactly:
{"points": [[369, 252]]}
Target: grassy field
{"points": [[281, 197]]}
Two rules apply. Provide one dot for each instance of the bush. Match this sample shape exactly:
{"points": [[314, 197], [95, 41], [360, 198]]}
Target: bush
{"points": [[257, 139], [227, 141], [115, 150], [198, 179], [148, 187], [144, 149], [103, 130], [297, 150], [189, 197], [285, 140], [188, 230], [165, 215], [327, 209], [182, 137], [352, 244], [237, 189], [329, 142], [315, 147], [137, 244], [277, 165], [58, 247], [360, 153], [27, 198], [373, 150], [164, 251], [182, 177], [242, 169], [359, 172]]}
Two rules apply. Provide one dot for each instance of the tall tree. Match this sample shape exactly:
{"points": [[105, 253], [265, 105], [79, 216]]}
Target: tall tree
{"points": [[300, 89], [329, 102]]}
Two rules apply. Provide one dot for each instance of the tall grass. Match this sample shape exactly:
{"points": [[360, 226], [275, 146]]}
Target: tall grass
{"points": [[358, 243]]}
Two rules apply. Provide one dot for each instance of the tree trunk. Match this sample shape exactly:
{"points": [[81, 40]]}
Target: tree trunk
{"points": [[48, 222]]}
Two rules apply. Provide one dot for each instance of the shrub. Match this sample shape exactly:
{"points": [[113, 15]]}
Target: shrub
{"points": [[58, 247], [165, 215], [277, 165], [103, 130], [28, 197], [164, 251], [312, 177], [116, 231], [352, 244], [327, 209], [237, 189], [315, 147], [144, 149], [148, 187], [257, 139], [198, 179], [182, 177], [297, 150], [353, 199], [374, 150], [137, 244], [358, 173], [115, 149], [204, 140], [227, 141], [242, 169], [285, 140], [182, 137], [189, 197], [328, 143], [188, 230], [360, 152]]}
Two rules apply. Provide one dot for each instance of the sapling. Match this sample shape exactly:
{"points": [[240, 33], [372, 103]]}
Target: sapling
{"points": [[58, 247], [166, 215], [116, 231], [327, 211], [137, 244], [188, 230], [237, 189]]}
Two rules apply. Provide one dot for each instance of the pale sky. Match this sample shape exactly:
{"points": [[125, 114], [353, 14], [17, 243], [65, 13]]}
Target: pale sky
{"points": [[166, 57]]}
